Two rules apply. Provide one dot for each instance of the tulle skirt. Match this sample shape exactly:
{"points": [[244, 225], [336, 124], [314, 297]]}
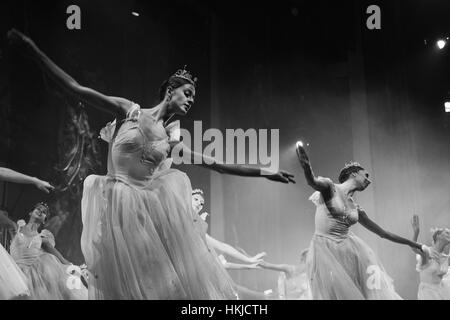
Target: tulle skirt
{"points": [[347, 270], [48, 279], [429, 291], [140, 242], [12, 280]]}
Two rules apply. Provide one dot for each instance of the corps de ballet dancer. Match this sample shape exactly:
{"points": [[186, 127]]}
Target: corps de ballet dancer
{"points": [[293, 283], [13, 283], [45, 269], [433, 265], [249, 262]]}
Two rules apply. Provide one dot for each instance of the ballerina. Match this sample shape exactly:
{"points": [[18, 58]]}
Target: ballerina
{"points": [[250, 263], [44, 267], [293, 280], [433, 267], [139, 239], [340, 265], [13, 284], [198, 202]]}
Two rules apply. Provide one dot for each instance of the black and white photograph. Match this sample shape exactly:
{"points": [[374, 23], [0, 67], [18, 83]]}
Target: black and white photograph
{"points": [[235, 151]]}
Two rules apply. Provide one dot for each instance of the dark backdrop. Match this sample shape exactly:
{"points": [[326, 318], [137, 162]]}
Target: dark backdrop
{"points": [[310, 69]]}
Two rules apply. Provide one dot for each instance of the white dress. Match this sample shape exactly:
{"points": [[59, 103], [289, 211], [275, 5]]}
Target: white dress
{"points": [[432, 284], [12, 279], [139, 239]]}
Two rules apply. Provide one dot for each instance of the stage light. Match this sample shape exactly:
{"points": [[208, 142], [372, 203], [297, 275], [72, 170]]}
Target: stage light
{"points": [[134, 13], [447, 106], [441, 44], [301, 144]]}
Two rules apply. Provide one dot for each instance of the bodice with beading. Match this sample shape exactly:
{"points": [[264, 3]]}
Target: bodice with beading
{"points": [[140, 147], [334, 218]]}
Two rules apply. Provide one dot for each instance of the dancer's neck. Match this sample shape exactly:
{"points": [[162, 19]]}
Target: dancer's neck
{"points": [[440, 246], [33, 226], [349, 188], [162, 111]]}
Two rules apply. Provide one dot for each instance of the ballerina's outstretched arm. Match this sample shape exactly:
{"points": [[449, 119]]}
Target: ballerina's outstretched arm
{"points": [[17, 177], [365, 221], [285, 268], [416, 227], [114, 105], [416, 230], [234, 169], [240, 266], [232, 252], [319, 184]]}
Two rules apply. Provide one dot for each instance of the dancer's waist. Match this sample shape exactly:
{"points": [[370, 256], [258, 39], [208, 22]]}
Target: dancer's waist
{"points": [[128, 179], [335, 236]]}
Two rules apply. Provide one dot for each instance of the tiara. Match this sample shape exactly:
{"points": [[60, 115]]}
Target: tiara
{"points": [[434, 230], [186, 75], [197, 191], [43, 204], [351, 164]]}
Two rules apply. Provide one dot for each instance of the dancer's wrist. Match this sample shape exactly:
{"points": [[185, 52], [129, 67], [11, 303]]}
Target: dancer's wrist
{"points": [[264, 172], [423, 247]]}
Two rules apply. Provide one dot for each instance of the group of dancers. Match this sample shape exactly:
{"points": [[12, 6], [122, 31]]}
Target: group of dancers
{"points": [[145, 236]]}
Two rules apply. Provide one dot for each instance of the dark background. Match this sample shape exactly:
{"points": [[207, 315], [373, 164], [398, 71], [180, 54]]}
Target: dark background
{"points": [[308, 68]]}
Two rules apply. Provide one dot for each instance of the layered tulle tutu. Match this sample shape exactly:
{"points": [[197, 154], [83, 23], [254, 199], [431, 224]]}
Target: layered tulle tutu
{"points": [[428, 291], [12, 280], [140, 241], [139, 237], [296, 287], [46, 277], [347, 269], [434, 281]]}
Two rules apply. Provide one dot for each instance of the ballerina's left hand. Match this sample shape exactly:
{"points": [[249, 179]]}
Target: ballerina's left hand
{"points": [[257, 258], [281, 176]]}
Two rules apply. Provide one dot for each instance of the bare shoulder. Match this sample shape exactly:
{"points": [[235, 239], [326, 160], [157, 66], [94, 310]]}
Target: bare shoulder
{"points": [[326, 181], [124, 104]]}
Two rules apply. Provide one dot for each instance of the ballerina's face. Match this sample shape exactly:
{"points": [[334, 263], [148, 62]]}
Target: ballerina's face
{"points": [[182, 99], [444, 236], [39, 214], [362, 179], [197, 203]]}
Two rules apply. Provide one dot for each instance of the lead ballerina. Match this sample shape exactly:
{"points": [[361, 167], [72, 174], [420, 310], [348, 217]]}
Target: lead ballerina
{"points": [[139, 239], [340, 265]]}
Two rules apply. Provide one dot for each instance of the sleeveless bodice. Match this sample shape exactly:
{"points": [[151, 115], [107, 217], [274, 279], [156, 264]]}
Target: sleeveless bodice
{"points": [[25, 248], [333, 219], [140, 147], [434, 271]]}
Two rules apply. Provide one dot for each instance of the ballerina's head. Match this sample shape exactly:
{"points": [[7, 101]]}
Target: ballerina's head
{"points": [[303, 256], [178, 92], [354, 171], [441, 236], [40, 213], [198, 200]]}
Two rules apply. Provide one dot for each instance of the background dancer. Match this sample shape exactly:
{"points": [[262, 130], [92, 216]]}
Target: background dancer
{"points": [[340, 265], [293, 280], [42, 264], [12, 280], [433, 266]]}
